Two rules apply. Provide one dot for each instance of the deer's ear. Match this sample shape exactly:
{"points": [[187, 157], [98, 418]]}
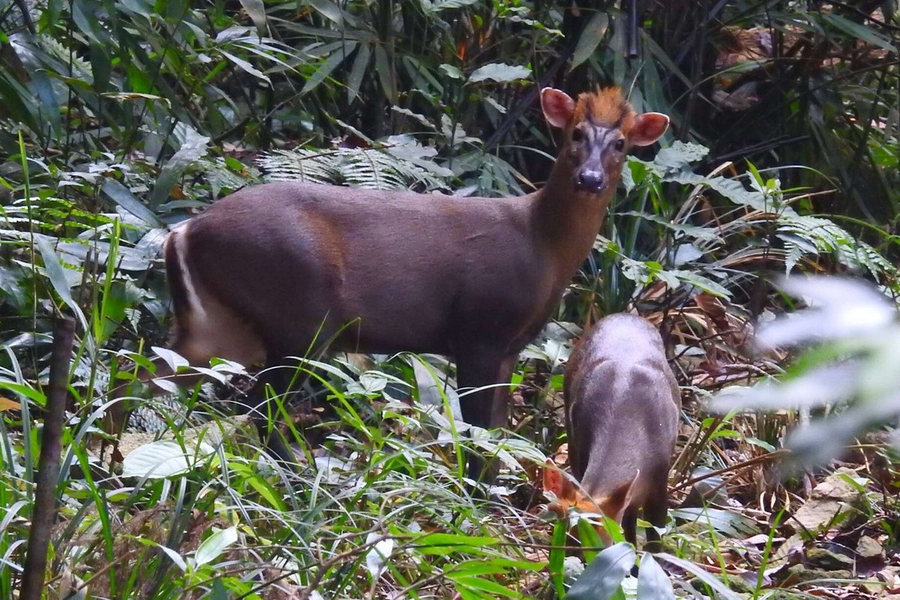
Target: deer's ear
{"points": [[555, 481], [614, 505], [648, 128], [558, 107]]}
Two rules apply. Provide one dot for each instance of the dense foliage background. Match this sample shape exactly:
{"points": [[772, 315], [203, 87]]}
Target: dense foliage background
{"points": [[121, 118]]}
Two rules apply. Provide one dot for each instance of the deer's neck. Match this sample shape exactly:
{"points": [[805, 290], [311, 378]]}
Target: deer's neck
{"points": [[567, 221]]}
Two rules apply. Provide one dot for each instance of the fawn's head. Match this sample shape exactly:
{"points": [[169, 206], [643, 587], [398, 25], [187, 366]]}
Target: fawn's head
{"points": [[600, 129], [568, 495]]}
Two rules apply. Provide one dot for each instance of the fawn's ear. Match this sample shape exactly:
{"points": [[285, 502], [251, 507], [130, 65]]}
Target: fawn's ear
{"points": [[558, 107], [555, 481], [614, 505], [648, 128]]}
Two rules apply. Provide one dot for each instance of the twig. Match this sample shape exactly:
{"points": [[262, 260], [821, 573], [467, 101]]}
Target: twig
{"points": [[337, 559], [735, 467], [44, 512], [98, 574]]}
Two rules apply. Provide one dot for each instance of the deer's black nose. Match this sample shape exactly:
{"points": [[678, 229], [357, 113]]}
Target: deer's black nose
{"points": [[590, 180]]}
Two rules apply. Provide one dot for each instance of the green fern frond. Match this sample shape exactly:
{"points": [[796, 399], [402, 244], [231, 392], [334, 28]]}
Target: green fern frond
{"points": [[80, 68], [301, 164], [812, 235], [357, 167]]}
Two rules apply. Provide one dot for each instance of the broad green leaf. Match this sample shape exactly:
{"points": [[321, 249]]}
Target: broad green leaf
{"points": [[57, 275], [385, 75], [360, 64], [246, 66], [653, 583], [173, 359], [17, 100], [213, 375], [700, 282], [378, 555], [590, 38], [213, 546], [167, 385], [450, 539], [85, 18], [256, 10], [122, 196], [174, 556], [447, 543], [193, 148], [493, 589], [219, 591], [589, 538], [265, 489], [558, 555], [497, 565], [722, 591], [679, 155], [111, 310], [101, 67], [54, 269], [328, 65], [328, 9], [435, 6], [48, 105], [139, 360], [499, 72], [23, 390], [859, 31], [452, 72], [143, 8], [602, 577], [729, 523], [705, 234], [138, 80], [161, 459]]}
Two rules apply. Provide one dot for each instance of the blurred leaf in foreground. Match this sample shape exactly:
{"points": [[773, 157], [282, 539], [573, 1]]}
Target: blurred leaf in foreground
{"points": [[853, 367]]}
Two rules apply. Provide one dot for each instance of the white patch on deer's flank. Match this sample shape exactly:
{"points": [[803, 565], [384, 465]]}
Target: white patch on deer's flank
{"points": [[210, 328], [176, 239]]}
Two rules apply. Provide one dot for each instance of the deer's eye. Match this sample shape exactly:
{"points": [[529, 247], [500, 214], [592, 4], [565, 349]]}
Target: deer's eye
{"points": [[577, 135], [620, 145]]}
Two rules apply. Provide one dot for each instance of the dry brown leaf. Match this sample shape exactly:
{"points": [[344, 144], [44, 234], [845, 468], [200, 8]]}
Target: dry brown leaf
{"points": [[6, 404]]}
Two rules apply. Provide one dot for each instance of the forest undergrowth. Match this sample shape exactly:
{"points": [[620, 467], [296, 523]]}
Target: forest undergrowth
{"points": [[122, 119]]}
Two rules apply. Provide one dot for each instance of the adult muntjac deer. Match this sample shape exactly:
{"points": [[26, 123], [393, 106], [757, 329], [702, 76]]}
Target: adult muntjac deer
{"points": [[267, 271], [622, 409]]}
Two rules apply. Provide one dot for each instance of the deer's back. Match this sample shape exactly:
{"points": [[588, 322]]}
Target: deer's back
{"points": [[622, 403], [408, 271]]}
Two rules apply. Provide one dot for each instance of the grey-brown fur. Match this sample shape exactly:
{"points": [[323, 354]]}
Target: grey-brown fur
{"points": [[622, 411]]}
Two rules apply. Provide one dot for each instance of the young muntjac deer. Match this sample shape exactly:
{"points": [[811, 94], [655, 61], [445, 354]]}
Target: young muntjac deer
{"points": [[270, 270], [622, 410]]}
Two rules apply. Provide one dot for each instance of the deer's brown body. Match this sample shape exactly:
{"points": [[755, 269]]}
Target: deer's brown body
{"points": [[622, 409], [267, 271]]}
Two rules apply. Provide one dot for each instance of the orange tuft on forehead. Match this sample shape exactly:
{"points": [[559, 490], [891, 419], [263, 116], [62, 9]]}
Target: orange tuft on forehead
{"points": [[606, 108]]}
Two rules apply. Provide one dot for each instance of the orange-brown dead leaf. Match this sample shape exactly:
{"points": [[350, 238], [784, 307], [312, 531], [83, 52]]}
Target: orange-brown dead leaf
{"points": [[6, 404]]}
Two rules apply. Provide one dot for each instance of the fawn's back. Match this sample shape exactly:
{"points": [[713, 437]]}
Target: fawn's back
{"points": [[622, 409]]}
